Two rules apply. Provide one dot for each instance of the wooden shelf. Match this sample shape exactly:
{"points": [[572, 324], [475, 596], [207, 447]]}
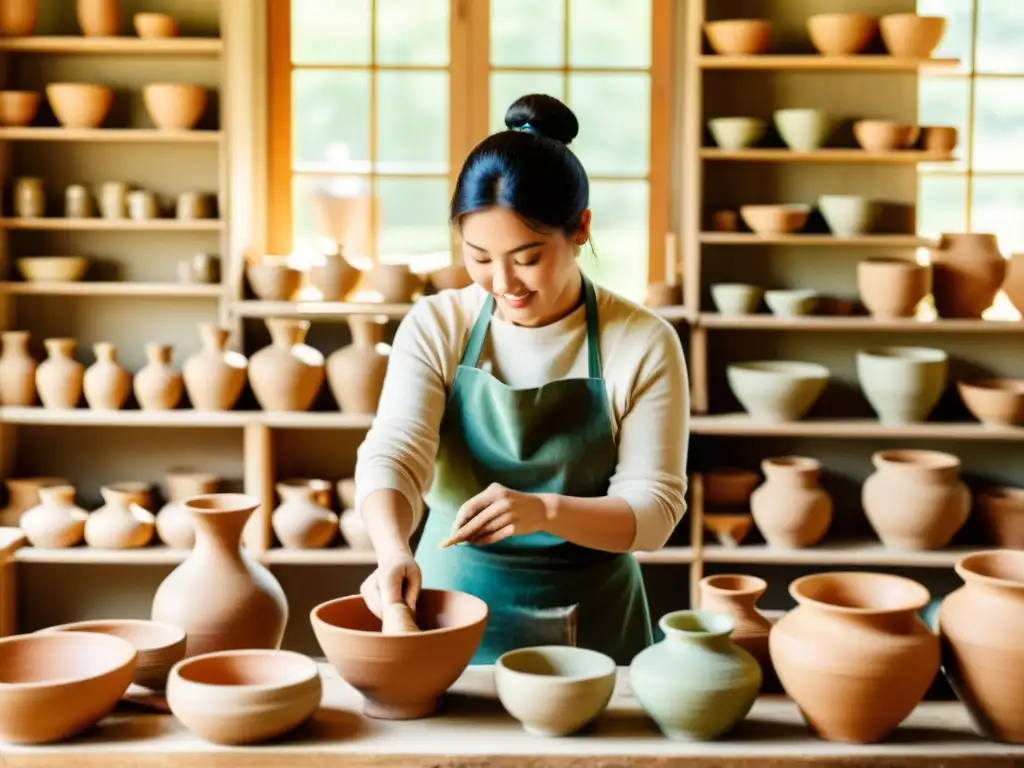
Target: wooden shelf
{"points": [[817, 241], [814, 62], [82, 555], [841, 155], [181, 417], [836, 553], [114, 225], [113, 289], [119, 135], [113, 46], [316, 310], [325, 556], [860, 323], [739, 424], [315, 420]]}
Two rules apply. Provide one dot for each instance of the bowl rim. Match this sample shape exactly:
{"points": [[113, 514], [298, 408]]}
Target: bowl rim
{"points": [[94, 625], [916, 596], [905, 353], [311, 673], [116, 643], [994, 384], [607, 664], [318, 623], [807, 369]]}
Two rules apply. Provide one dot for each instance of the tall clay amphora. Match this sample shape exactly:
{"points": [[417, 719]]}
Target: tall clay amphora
{"points": [[981, 626], [356, 373], [737, 595], [854, 655], [287, 375], [214, 377], [59, 377], [17, 370], [967, 272], [220, 595]]}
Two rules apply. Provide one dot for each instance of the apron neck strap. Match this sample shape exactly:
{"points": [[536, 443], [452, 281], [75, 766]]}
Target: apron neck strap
{"points": [[471, 357]]}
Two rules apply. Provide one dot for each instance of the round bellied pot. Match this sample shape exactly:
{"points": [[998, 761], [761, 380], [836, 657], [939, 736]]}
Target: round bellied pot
{"points": [[737, 596], [967, 273], [214, 377], [790, 507], [355, 373], [56, 522], [124, 521], [106, 383], [981, 626], [854, 655], [17, 370], [303, 519], [157, 386], [287, 375], [174, 525], [59, 376]]}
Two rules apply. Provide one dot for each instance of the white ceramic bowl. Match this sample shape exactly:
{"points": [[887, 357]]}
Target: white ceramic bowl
{"points": [[791, 303], [804, 130], [777, 390], [902, 384], [848, 215], [736, 133], [52, 269], [736, 298]]}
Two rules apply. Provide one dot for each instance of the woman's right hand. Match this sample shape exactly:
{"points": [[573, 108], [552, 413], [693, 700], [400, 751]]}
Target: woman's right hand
{"points": [[397, 579]]}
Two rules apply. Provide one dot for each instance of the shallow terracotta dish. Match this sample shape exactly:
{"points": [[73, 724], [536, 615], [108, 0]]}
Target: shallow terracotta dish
{"points": [[56, 685], [159, 646], [401, 677], [244, 696], [996, 402], [841, 34], [554, 690], [52, 269], [775, 219], [80, 105], [18, 108], [739, 37]]}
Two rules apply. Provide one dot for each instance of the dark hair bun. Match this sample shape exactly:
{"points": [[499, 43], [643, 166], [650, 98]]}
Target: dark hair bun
{"points": [[546, 115]]}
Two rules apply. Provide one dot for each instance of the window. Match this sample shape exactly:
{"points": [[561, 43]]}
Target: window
{"points": [[374, 104]]}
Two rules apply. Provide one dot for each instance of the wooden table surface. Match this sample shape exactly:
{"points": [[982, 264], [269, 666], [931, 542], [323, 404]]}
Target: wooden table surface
{"points": [[474, 730]]}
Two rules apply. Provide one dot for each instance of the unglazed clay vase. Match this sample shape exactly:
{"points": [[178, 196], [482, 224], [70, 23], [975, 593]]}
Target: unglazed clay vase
{"points": [[902, 384], [395, 283], [215, 377], [287, 375], [304, 519], [59, 377], [915, 499], [1013, 285], [967, 272], [334, 278], [737, 596], [356, 373], [174, 525], [790, 508], [158, 387], [981, 626], [124, 521], [23, 494], [854, 655], [248, 609], [17, 370], [891, 287], [1002, 516], [106, 384], [98, 18], [696, 684], [55, 522], [18, 18]]}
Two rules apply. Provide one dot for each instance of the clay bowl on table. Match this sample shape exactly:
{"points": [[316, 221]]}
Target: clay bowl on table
{"points": [[80, 105], [777, 390], [244, 696], [729, 486], [891, 287], [804, 130], [775, 219], [401, 677], [910, 35], [994, 402], [736, 298], [56, 685], [735, 133], [273, 282], [841, 34], [884, 135], [797, 302], [155, 25], [554, 690], [1002, 515], [174, 106], [18, 108], [52, 269], [739, 37]]}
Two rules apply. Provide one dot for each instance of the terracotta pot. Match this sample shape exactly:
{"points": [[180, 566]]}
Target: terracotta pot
{"points": [[60, 684], [174, 106], [244, 696], [841, 34], [729, 486], [885, 135], [273, 282], [777, 390], [737, 596], [902, 384], [106, 384], [939, 138], [304, 519], [59, 377], [18, 18], [55, 522], [982, 630], [451, 278], [915, 499], [1013, 285], [334, 278], [395, 283], [248, 609], [124, 521], [155, 25], [17, 108], [910, 35], [790, 508], [355, 373], [80, 105], [215, 377], [98, 18], [854, 655], [174, 524], [967, 272], [892, 287], [158, 387], [288, 374], [17, 370], [1001, 511], [775, 219], [388, 670], [995, 402], [739, 37], [23, 494]]}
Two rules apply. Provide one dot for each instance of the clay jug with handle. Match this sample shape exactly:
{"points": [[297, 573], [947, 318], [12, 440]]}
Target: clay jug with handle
{"points": [[967, 272]]}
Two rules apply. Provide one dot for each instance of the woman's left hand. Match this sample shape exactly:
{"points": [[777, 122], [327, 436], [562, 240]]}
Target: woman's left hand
{"points": [[497, 513]]}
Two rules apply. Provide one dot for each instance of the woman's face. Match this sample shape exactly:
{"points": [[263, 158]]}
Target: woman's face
{"points": [[532, 275]]}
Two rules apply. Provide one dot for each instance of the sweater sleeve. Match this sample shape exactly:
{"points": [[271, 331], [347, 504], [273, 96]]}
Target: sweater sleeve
{"points": [[652, 442]]}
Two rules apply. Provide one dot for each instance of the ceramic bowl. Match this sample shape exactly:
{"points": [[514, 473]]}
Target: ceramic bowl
{"points": [[159, 646], [775, 219], [777, 390], [910, 35], [791, 303], [841, 34], [729, 486], [174, 106], [739, 37], [734, 133], [804, 130], [391, 671], [18, 108], [155, 25], [890, 287], [995, 402], [244, 696], [52, 269], [80, 105], [885, 135], [902, 384], [736, 298], [273, 282], [848, 215], [1001, 511], [554, 690], [57, 685], [939, 138], [729, 529]]}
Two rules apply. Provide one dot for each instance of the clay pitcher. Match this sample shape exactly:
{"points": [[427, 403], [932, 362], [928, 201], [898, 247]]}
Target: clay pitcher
{"points": [[124, 521], [287, 375], [17, 369], [1013, 285], [23, 494], [98, 18], [158, 387], [174, 524], [737, 595], [59, 377], [18, 18], [304, 519], [967, 272], [790, 508], [854, 655], [356, 372], [55, 522], [981, 626], [248, 608], [106, 384], [214, 377], [915, 499]]}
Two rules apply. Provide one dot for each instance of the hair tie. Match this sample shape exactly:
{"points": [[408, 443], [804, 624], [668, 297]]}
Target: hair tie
{"points": [[526, 127]]}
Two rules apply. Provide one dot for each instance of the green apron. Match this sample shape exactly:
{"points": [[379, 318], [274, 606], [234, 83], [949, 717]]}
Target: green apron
{"points": [[557, 438]]}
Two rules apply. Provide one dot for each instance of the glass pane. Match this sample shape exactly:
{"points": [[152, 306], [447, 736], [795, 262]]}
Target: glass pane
{"points": [[1000, 29], [412, 32], [331, 31], [945, 101], [999, 124], [413, 222], [527, 33], [956, 43], [343, 210], [412, 122], [941, 205], [619, 235], [330, 127], [610, 33], [506, 87], [996, 207], [612, 141]]}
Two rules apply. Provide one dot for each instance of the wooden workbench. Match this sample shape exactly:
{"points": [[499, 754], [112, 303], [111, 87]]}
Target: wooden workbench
{"points": [[474, 730]]}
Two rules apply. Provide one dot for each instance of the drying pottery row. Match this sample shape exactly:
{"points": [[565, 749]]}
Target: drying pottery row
{"points": [[96, 18], [113, 200]]}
